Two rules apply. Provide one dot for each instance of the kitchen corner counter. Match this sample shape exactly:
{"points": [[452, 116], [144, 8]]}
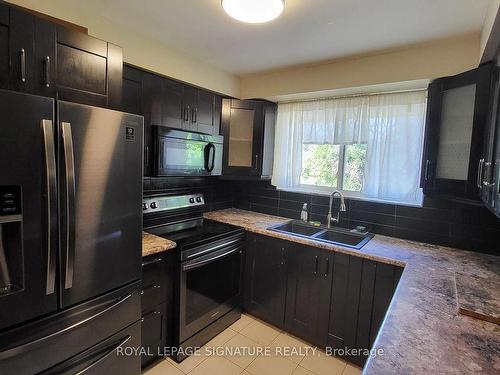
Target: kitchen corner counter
{"points": [[423, 331], [152, 244]]}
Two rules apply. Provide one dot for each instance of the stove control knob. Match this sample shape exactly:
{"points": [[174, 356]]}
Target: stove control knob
{"points": [[191, 200], [198, 199], [153, 205], [144, 206]]}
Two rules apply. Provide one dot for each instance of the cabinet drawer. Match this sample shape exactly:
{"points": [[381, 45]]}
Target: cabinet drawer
{"points": [[152, 295], [153, 284]]}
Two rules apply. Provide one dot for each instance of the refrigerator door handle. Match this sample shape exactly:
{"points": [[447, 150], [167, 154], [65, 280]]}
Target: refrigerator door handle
{"points": [[32, 345], [103, 356], [50, 170], [69, 230]]}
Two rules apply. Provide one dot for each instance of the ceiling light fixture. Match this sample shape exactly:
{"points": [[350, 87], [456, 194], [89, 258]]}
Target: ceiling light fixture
{"points": [[253, 11]]}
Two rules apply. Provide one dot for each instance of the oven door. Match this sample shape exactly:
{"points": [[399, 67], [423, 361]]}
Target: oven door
{"points": [[210, 286], [180, 153]]}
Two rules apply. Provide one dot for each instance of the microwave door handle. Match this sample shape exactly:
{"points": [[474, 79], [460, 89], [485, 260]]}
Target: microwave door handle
{"points": [[213, 158], [206, 152]]}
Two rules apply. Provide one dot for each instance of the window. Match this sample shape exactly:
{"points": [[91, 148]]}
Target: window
{"points": [[334, 166], [367, 146]]}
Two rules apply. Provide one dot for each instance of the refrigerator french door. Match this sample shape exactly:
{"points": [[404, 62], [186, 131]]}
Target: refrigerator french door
{"points": [[70, 204], [28, 208], [100, 185]]}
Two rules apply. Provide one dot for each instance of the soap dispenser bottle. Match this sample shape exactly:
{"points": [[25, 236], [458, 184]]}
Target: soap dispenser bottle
{"points": [[303, 214]]}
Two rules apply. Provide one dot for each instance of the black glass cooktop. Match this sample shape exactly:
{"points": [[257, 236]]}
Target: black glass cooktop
{"points": [[209, 230]]}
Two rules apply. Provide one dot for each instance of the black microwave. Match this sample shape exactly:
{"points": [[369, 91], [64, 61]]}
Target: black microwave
{"points": [[182, 153]]}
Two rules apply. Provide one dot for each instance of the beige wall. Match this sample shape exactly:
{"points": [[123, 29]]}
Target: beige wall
{"points": [[424, 61], [138, 49], [488, 23]]}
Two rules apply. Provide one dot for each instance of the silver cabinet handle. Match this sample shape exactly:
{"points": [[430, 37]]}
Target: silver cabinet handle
{"points": [[46, 62], [316, 265], [480, 173], [69, 232], [194, 115], [256, 162], [50, 170], [153, 261], [186, 114], [426, 172], [22, 56], [327, 270]]}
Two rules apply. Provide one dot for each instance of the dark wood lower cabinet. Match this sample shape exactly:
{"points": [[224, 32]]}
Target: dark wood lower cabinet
{"points": [[156, 303], [360, 295], [308, 289], [331, 300], [265, 279]]}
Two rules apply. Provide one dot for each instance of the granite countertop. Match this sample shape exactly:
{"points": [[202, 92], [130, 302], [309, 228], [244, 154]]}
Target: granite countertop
{"points": [[423, 332], [152, 244]]}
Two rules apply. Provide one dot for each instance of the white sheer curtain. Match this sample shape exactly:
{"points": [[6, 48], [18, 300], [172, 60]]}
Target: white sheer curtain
{"points": [[390, 124]]}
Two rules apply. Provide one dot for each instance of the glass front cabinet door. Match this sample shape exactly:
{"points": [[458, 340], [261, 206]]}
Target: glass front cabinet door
{"points": [[242, 124], [455, 134]]}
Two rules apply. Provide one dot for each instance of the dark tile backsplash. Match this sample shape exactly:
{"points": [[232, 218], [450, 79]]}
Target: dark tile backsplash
{"points": [[439, 222]]}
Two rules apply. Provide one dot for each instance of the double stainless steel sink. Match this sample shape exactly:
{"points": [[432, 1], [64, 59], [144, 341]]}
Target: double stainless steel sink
{"points": [[336, 236]]}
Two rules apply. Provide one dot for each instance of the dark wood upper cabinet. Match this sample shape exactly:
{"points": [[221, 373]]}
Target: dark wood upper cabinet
{"points": [[265, 278], [205, 113], [458, 109], [152, 102], [45, 58], [248, 130], [21, 50], [132, 90], [89, 70], [172, 115], [490, 189], [4, 46], [308, 292]]}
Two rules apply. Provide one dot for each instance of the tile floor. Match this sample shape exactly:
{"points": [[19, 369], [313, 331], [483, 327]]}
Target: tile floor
{"points": [[252, 334]]}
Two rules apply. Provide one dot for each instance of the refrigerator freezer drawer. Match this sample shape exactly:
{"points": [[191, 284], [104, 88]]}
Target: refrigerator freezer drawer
{"points": [[43, 344], [115, 355]]}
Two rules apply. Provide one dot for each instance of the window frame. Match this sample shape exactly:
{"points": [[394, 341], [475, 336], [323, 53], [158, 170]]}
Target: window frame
{"points": [[340, 176]]}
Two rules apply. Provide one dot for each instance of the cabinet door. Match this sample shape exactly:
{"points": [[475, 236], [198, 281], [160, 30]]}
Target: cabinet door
{"points": [[190, 105], [265, 279], [132, 90], [490, 189], [361, 293], [308, 293], [204, 114], [457, 113], [242, 127], [21, 48], [152, 110], [153, 333], [81, 68], [172, 115], [4, 46], [45, 58]]}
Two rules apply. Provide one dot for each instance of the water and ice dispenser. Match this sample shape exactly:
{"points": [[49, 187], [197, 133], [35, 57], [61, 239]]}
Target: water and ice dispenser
{"points": [[11, 246]]}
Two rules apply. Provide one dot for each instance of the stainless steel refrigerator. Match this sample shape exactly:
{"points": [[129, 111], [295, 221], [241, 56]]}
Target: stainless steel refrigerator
{"points": [[70, 236]]}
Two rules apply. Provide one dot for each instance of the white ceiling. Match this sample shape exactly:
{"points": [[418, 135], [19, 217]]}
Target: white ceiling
{"points": [[308, 31]]}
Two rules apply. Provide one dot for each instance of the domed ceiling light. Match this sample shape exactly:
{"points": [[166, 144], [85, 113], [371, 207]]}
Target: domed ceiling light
{"points": [[253, 11]]}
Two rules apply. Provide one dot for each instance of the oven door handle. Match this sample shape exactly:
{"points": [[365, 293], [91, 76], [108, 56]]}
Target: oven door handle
{"points": [[193, 265]]}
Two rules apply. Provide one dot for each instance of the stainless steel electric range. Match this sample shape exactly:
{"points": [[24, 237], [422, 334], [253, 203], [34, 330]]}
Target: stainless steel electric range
{"points": [[208, 281]]}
